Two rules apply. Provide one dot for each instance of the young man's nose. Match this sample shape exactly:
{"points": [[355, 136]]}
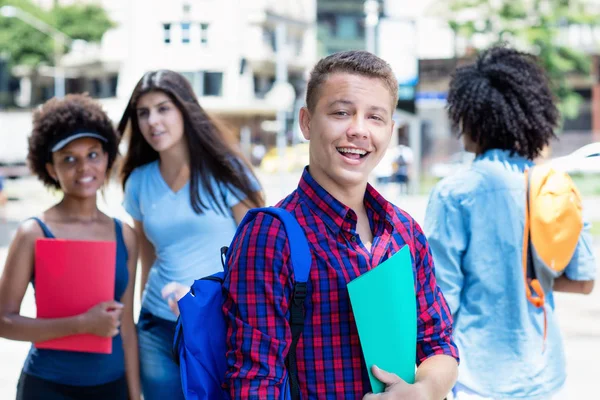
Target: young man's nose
{"points": [[358, 127]]}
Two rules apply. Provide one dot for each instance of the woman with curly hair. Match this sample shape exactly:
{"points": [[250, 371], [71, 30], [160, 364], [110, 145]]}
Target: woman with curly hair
{"points": [[72, 148], [186, 188], [503, 108]]}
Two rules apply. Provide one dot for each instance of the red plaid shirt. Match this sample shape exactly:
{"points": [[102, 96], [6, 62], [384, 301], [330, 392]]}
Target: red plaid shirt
{"points": [[259, 285]]}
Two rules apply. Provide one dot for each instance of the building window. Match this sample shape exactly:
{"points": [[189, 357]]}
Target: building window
{"points": [[327, 23], [205, 83], [185, 32], [213, 84], [262, 85], [347, 27], [269, 38], [203, 33], [96, 88], [195, 80], [113, 82], [167, 33]]}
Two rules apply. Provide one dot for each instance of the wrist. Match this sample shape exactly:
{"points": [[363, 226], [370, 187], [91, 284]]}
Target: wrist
{"points": [[425, 389], [80, 324]]}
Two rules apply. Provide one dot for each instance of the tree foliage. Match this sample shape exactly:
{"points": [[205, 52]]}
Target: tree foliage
{"points": [[22, 44], [531, 25]]}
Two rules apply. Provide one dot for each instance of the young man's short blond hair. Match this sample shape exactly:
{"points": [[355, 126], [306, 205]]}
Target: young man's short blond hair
{"points": [[357, 62]]}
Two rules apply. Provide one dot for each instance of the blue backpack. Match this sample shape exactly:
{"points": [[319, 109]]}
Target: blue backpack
{"points": [[199, 344]]}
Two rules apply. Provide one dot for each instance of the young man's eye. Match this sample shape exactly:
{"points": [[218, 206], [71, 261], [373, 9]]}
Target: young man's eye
{"points": [[377, 118], [93, 155], [341, 113], [69, 159]]}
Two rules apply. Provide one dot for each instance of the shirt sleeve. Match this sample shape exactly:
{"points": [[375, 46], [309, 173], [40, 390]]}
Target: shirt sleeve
{"points": [[448, 239], [582, 266], [434, 319], [256, 291], [131, 197]]}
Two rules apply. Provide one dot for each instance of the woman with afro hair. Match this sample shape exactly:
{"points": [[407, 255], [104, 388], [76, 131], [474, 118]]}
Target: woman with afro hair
{"points": [[72, 147], [503, 108]]}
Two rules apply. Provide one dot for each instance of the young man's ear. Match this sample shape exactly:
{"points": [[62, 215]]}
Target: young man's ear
{"points": [[305, 122], [51, 171]]}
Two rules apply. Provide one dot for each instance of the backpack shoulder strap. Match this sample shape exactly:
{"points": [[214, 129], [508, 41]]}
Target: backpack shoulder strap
{"points": [[301, 261], [530, 270], [301, 258]]}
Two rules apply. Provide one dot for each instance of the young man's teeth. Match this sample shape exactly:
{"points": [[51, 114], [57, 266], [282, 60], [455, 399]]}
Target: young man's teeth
{"points": [[86, 180], [353, 151]]}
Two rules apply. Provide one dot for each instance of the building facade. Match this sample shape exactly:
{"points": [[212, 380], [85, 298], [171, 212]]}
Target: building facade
{"points": [[226, 48]]}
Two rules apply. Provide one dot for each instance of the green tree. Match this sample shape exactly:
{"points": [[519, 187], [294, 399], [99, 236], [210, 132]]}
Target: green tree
{"points": [[20, 43], [86, 22], [535, 26], [24, 45]]}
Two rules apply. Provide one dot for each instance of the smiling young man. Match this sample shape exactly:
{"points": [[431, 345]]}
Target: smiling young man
{"points": [[351, 229]]}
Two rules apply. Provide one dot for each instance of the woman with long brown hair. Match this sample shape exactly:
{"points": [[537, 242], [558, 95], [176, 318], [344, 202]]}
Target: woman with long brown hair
{"points": [[186, 188]]}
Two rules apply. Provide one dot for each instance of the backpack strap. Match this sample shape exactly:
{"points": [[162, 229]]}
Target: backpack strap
{"points": [[530, 269], [532, 285], [301, 260]]}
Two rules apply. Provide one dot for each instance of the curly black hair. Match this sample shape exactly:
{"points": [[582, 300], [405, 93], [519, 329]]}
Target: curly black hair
{"points": [[57, 116], [503, 101]]}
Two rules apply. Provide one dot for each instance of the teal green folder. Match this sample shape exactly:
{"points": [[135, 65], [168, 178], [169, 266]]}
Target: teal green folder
{"points": [[385, 310]]}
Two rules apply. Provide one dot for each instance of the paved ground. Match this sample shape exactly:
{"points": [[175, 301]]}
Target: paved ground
{"points": [[579, 315]]}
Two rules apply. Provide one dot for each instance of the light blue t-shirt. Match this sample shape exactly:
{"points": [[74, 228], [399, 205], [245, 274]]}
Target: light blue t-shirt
{"points": [[187, 244], [474, 223]]}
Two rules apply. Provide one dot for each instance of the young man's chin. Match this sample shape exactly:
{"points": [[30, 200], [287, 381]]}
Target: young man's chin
{"points": [[351, 178]]}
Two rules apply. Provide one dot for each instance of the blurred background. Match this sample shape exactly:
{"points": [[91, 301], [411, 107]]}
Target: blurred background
{"points": [[248, 61]]}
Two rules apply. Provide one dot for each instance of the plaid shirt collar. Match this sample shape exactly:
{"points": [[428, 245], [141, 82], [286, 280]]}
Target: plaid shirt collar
{"points": [[338, 216]]}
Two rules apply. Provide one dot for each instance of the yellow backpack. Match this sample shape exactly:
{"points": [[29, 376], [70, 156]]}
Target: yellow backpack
{"points": [[553, 223]]}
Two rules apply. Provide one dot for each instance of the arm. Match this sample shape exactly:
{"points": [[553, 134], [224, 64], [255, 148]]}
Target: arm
{"points": [[437, 355], [239, 211], [146, 253], [566, 285], [128, 331], [448, 240], [436, 351], [256, 292], [433, 381], [580, 273], [437, 375], [131, 203], [16, 275]]}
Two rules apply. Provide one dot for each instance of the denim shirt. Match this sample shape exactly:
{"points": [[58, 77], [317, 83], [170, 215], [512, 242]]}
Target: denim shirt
{"points": [[474, 223]]}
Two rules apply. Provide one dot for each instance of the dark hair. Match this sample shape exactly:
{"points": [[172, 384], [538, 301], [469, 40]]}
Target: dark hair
{"points": [[211, 152], [55, 117], [357, 62], [503, 101]]}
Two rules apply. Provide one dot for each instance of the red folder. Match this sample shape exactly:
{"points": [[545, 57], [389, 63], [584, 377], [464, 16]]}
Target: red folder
{"points": [[72, 276]]}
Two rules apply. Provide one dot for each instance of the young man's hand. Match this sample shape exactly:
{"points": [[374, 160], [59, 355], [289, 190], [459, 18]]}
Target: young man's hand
{"points": [[396, 388]]}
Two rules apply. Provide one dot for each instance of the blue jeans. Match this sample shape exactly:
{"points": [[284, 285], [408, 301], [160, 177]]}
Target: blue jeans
{"points": [[159, 372]]}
